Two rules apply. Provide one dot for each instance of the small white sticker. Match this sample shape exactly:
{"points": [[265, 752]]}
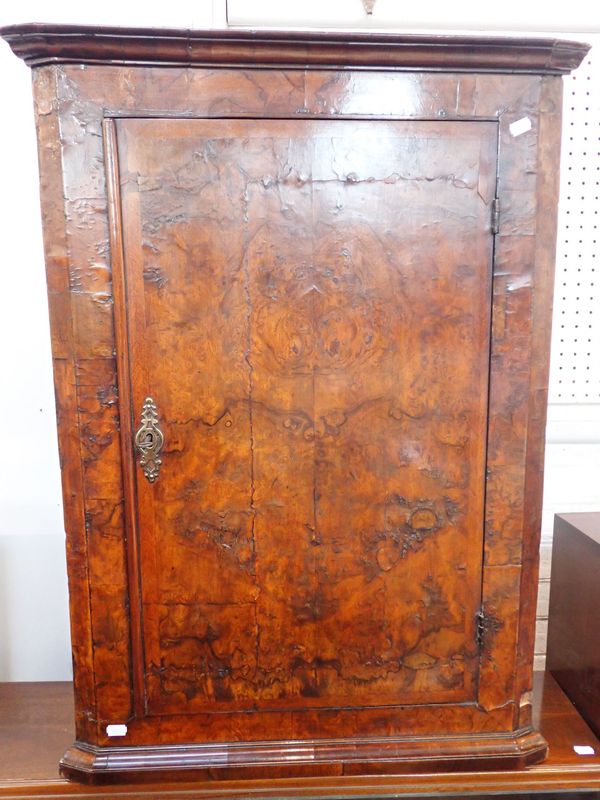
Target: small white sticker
{"points": [[584, 750], [116, 730], [520, 126]]}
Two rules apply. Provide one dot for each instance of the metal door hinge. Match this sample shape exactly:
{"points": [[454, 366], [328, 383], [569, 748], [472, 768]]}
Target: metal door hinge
{"points": [[486, 626], [480, 628], [495, 215]]}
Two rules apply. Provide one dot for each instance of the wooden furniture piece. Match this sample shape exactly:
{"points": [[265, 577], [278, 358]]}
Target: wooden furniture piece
{"points": [[300, 291], [573, 622], [36, 725]]}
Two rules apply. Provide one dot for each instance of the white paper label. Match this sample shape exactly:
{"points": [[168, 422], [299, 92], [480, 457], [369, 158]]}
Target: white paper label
{"points": [[584, 750], [520, 126], [116, 730]]}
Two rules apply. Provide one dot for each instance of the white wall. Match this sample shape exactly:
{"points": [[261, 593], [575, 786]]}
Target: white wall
{"points": [[473, 15], [32, 574], [34, 643], [34, 630]]}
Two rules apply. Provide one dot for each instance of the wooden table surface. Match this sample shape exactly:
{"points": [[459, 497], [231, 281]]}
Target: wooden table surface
{"points": [[36, 727]]}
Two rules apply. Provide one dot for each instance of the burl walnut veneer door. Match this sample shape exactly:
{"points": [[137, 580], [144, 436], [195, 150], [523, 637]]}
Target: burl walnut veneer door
{"points": [[307, 303]]}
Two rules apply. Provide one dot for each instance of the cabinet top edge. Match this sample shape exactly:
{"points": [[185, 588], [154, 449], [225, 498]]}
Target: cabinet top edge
{"points": [[41, 44]]}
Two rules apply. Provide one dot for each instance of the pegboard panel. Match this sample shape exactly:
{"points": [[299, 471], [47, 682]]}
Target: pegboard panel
{"points": [[575, 361]]}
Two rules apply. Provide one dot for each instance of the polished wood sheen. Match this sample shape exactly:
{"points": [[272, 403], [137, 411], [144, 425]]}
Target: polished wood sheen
{"points": [[315, 414], [36, 724], [323, 289], [573, 624], [60, 44]]}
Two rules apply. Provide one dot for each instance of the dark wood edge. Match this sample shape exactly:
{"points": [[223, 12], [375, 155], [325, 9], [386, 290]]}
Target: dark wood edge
{"points": [[582, 523], [40, 44], [126, 424], [57, 256], [547, 191], [91, 764]]}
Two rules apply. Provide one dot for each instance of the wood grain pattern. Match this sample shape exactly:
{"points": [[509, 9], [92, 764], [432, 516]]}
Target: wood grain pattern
{"points": [[298, 265], [547, 188], [57, 256], [310, 441], [36, 726]]}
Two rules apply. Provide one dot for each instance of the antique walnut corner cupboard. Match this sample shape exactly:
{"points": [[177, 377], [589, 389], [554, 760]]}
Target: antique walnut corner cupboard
{"points": [[300, 293]]}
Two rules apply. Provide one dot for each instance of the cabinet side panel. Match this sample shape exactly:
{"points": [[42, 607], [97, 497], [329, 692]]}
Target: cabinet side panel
{"points": [[61, 321], [548, 157], [80, 288], [512, 303]]}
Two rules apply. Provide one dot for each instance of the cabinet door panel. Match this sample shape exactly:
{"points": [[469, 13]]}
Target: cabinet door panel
{"points": [[308, 305]]}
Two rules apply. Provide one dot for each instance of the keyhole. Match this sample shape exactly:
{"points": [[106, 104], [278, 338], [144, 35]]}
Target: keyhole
{"points": [[148, 441]]}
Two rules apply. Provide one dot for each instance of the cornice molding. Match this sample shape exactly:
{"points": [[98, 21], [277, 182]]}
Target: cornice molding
{"points": [[39, 45]]}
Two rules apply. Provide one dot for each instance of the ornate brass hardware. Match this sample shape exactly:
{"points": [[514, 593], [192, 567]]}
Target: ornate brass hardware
{"points": [[149, 440]]}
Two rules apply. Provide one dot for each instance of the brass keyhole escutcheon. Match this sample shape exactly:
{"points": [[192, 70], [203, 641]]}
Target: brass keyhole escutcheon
{"points": [[149, 440]]}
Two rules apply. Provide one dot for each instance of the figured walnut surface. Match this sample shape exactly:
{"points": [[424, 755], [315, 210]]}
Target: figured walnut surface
{"points": [[350, 369], [36, 725], [374, 339], [314, 537]]}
